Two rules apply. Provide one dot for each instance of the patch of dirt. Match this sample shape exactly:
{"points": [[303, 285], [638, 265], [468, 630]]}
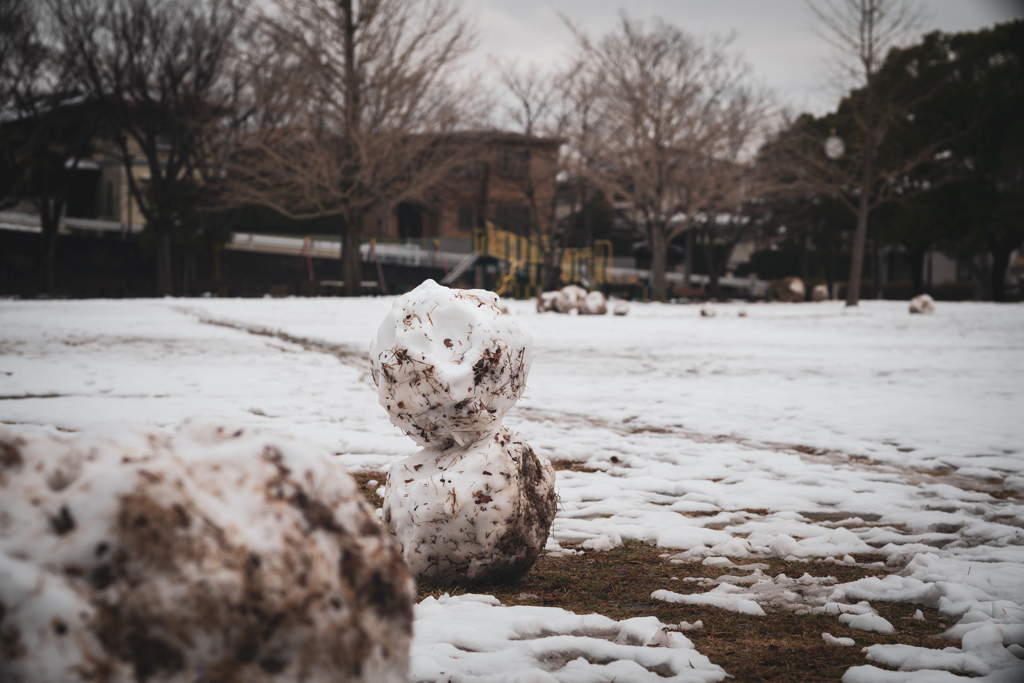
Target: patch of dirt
{"points": [[780, 646], [57, 427], [1004, 494], [571, 466], [23, 397], [363, 479]]}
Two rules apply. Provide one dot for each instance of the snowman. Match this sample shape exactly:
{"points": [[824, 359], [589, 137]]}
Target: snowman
{"points": [[476, 504]]}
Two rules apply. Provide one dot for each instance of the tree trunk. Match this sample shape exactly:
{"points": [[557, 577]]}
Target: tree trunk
{"points": [[857, 262], [805, 259], [688, 268], [588, 218], [351, 260], [552, 272], [709, 259], [188, 275], [1000, 262], [864, 207], [164, 284], [917, 271], [659, 256], [49, 221], [877, 280], [832, 250]]}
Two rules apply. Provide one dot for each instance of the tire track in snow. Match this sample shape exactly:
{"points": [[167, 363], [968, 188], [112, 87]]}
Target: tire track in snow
{"points": [[911, 475], [343, 352]]}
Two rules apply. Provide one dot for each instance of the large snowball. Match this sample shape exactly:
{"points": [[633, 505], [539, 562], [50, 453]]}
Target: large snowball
{"points": [[922, 304], [205, 554], [448, 363], [546, 301], [594, 304], [570, 298], [471, 515], [791, 290]]}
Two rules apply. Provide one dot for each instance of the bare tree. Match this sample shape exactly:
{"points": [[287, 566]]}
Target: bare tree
{"points": [[862, 32], [547, 106], [46, 130], [681, 120], [357, 110], [20, 53], [161, 72]]}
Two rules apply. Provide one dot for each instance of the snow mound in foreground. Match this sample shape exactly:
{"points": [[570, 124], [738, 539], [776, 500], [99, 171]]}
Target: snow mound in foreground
{"points": [[448, 363], [476, 505], [205, 553]]}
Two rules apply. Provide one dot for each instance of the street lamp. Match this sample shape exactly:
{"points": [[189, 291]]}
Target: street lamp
{"points": [[835, 148]]}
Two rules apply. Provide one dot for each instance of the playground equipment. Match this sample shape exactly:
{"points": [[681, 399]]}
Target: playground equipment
{"points": [[515, 263], [523, 260]]}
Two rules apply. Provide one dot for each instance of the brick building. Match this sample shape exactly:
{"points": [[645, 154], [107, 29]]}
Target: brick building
{"points": [[496, 185]]}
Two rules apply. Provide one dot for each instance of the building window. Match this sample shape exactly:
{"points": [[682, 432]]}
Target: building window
{"points": [[466, 218], [515, 218], [471, 171], [514, 162], [410, 220]]}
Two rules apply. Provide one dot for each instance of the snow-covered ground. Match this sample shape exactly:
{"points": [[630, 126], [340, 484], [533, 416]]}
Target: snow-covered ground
{"points": [[807, 430]]}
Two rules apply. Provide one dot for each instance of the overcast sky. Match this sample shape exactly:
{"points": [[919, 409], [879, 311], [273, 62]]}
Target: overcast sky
{"points": [[775, 36]]}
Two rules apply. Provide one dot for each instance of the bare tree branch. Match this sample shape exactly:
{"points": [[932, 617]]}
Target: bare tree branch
{"points": [[357, 109], [682, 121]]}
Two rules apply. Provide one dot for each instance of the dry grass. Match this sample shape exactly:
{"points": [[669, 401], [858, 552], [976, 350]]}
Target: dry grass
{"points": [[370, 492], [780, 646], [571, 466]]}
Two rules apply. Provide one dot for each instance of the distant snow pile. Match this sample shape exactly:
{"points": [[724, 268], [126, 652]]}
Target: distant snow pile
{"points": [[546, 302], [574, 298], [708, 311], [594, 304], [922, 304], [200, 554], [621, 308], [819, 293], [570, 298], [791, 290], [475, 505]]}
